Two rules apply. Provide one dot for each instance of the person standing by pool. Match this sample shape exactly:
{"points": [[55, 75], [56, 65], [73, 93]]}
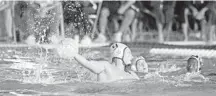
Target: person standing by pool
{"points": [[106, 72]]}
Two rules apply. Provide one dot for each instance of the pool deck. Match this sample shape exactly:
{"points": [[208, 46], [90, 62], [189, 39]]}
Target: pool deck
{"points": [[189, 43], [50, 45], [182, 43]]}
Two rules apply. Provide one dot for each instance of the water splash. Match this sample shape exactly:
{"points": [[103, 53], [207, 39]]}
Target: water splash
{"points": [[195, 77], [164, 68], [35, 72], [180, 80], [74, 14]]}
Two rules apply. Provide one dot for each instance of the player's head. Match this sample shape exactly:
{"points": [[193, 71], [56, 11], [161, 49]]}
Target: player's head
{"points": [[121, 51], [138, 64], [194, 64]]}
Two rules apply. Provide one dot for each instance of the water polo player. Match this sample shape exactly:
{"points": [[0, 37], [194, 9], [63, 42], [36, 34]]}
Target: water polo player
{"points": [[122, 56], [194, 64], [106, 72]]}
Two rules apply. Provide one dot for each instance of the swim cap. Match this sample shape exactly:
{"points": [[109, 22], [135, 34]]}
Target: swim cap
{"points": [[141, 67], [199, 63], [118, 51]]}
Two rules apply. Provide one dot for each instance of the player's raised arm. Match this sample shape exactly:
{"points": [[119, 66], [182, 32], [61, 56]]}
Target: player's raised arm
{"points": [[94, 66]]}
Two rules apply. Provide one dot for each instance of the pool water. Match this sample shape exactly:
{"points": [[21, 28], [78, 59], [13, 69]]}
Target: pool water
{"points": [[35, 71]]}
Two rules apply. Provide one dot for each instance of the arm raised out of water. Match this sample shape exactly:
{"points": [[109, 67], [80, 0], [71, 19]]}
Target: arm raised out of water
{"points": [[68, 48], [94, 66]]}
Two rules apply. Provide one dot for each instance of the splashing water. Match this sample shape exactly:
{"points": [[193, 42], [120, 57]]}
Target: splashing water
{"points": [[36, 72], [167, 68], [182, 80], [66, 76]]}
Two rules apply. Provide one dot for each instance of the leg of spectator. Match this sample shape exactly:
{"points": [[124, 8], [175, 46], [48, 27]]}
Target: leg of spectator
{"points": [[8, 22], [160, 31], [103, 20], [140, 27], [213, 24], [116, 24], [129, 17], [185, 31], [169, 16], [211, 33], [169, 30], [207, 33], [17, 19], [185, 24], [62, 20], [1, 24], [203, 29], [134, 30], [160, 21]]}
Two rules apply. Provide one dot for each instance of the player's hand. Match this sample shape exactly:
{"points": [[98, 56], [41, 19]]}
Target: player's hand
{"points": [[68, 48]]}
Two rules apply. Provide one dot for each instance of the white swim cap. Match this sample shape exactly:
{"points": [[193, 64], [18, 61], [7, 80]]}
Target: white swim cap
{"points": [[118, 50], [199, 61], [137, 67]]}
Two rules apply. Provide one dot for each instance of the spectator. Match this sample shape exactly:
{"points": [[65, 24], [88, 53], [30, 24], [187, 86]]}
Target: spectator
{"points": [[76, 16], [182, 12], [111, 9], [198, 12], [163, 13]]}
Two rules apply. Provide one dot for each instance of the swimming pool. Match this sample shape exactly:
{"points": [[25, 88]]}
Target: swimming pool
{"points": [[59, 76]]}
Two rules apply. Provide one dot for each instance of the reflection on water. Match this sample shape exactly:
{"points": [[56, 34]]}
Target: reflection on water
{"points": [[24, 71]]}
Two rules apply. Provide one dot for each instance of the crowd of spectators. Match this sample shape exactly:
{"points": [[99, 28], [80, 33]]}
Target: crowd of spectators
{"points": [[115, 21]]}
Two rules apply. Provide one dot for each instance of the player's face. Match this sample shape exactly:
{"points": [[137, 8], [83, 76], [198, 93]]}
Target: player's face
{"points": [[192, 65]]}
